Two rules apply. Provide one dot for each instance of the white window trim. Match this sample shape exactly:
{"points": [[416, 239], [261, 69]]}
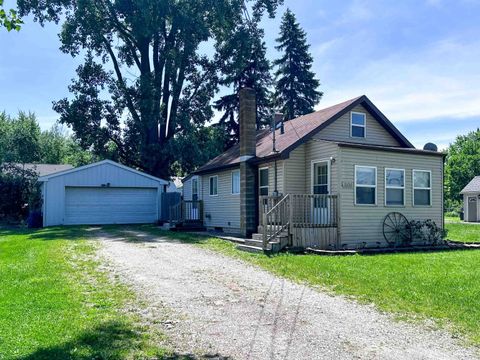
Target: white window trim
{"points": [[367, 186], [394, 187], [265, 186], [364, 126], [210, 185], [231, 181], [312, 175], [421, 188]]}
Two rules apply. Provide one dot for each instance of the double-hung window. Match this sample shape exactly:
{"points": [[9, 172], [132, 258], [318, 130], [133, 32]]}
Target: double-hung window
{"points": [[235, 182], [213, 182], [263, 181], [358, 125], [365, 185], [394, 187], [422, 188]]}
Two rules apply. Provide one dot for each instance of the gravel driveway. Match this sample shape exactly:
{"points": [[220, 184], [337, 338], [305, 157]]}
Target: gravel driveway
{"points": [[224, 308]]}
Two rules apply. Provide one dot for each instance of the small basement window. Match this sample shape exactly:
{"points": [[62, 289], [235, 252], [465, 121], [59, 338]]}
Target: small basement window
{"points": [[394, 187], [365, 185], [213, 185], [422, 188], [358, 125]]}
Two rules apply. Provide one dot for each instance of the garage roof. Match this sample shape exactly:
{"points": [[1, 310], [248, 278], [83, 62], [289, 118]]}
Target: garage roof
{"points": [[60, 173], [472, 186]]}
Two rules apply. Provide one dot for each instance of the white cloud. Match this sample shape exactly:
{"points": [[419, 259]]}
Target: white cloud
{"points": [[439, 81]]}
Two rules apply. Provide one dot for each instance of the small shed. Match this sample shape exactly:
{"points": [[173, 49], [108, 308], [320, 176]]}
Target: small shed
{"points": [[471, 199], [104, 192]]}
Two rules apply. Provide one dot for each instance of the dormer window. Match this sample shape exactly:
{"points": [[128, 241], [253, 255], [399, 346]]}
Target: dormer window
{"points": [[358, 125]]}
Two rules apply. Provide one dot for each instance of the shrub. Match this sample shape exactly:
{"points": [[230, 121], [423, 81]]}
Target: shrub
{"points": [[427, 231], [19, 192]]}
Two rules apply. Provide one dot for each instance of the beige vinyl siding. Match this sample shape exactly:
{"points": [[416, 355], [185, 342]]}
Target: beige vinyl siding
{"points": [[271, 175], [224, 209], [376, 134], [187, 189], [321, 150], [295, 172], [364, 223]]}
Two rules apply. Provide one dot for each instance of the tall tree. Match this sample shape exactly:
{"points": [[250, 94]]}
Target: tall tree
{"points": [[296, 86], [245, 64], [19, 138], [9, 18], [161, 83], [461, 165]]}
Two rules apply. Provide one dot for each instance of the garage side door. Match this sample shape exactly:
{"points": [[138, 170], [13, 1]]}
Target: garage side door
{"points": [[87, 205]]}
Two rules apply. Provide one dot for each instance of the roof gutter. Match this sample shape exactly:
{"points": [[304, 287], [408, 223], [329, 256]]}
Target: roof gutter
{"points": [[392, 149]]}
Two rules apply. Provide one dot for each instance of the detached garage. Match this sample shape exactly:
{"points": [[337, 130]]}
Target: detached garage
{"points": [[471, 200], [101, 193]]}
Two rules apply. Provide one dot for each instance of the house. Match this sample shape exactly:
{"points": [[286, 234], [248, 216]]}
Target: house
{"points": [[471, 196], [43, 169], [104, 192], [327, 180]]}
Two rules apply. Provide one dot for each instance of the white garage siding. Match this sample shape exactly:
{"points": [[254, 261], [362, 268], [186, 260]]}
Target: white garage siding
{"points": [[110, 205], [115, 186]]}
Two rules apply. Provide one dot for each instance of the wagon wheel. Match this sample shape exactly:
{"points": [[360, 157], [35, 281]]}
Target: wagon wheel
{"points": [[396, 229]]}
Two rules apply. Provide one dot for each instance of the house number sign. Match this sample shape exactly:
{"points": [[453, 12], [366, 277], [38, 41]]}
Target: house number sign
{"points": [[347, 184]]}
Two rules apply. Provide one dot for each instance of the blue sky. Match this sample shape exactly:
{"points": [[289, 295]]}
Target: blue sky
{"points": [[418, 61]]}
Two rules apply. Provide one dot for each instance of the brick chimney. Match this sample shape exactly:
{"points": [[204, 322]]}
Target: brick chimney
{"points": [[248, 172]]}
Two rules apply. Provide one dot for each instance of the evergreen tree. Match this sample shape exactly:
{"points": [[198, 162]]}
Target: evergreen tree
{"points": [[246, 65], [296, 87]]}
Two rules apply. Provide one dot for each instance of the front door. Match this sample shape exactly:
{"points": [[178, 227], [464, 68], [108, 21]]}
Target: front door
{"points": [[472, 208], [320, 186]]}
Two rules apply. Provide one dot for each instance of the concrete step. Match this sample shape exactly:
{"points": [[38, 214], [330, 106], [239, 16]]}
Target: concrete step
{"points": [[250, 249], [256, 246], [254, 242], [257, 236]]}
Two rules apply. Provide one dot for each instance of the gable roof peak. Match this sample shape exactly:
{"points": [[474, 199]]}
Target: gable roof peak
{"points": [[299, 130]]}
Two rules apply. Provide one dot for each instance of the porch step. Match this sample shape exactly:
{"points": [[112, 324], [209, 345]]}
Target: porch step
{"points": [[257, 236], [254, 242], [250, 249], [256, 246]]}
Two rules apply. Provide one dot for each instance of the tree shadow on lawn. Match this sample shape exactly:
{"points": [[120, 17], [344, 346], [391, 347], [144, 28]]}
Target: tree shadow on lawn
{"points": [[110, 340], [50, 233]]}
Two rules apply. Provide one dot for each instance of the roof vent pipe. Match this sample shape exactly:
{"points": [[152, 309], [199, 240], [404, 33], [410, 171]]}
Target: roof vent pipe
{"points": [[277, 119]]}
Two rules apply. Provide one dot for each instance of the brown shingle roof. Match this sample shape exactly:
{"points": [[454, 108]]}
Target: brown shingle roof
{"points": [[297, 131]]}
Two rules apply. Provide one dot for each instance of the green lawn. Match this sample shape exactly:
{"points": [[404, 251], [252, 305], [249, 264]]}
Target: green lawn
{"points": [[55, 303], [463, 232], [441, 285]]}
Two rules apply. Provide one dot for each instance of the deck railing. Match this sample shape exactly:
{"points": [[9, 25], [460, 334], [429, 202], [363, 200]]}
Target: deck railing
{"points": [[312, 211], [299, 211], [276, 220], [186, 211]]}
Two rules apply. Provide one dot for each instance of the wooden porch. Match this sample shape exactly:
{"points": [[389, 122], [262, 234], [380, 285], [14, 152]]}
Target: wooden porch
{"points": [[299, 221], [186, 215]]}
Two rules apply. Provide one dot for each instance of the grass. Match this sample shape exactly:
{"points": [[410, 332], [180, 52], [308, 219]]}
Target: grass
{"points": [[463, 232], [55, 302], [452, 219], [444, 286]]}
